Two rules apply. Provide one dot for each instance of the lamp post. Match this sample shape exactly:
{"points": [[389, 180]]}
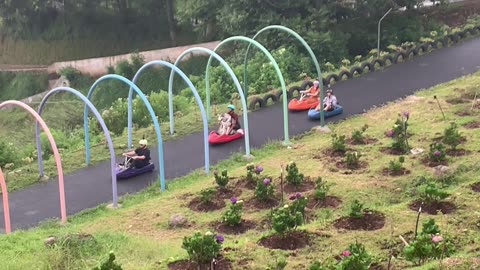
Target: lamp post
{"points": [[379, 23]]}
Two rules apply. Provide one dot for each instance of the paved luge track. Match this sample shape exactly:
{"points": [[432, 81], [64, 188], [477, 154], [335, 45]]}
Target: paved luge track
{"points": [[91, 186]]}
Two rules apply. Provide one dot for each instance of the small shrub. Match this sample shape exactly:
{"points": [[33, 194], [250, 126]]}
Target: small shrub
{"points": [[451, 136], [396, 166], [352, 160], [356, 209], [280, 264], [109, 264], [299, 203], [338, 143], [429, 244], [7, 153], [437, 152], [285, 219], [293, 176], [206, 195], [264, 190], [222, 179], [233, 216], [357, 135], [399, 133], [317, 266], [202, 249], [355, 257], [432, 193], [321, 189], [70, 73], [253, 172]]}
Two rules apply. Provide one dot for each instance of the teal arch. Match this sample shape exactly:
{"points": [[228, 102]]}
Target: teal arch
{"points": [[304, 43], [150, 110], [277, 70], [235, 80]]}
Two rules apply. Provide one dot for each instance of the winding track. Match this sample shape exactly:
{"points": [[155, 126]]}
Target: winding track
{"points": [[91, 186]]}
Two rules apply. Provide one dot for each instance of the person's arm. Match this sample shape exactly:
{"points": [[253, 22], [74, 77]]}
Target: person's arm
{"points": [[334, 101], [129, 154]]}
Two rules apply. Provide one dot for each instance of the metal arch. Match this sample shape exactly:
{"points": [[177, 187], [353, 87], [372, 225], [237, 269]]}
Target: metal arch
{"points": [[102, 124], [150, 110], [235, 80], [195, 94], [304, 43], [6, 206], [58, 161], [277, 70]]}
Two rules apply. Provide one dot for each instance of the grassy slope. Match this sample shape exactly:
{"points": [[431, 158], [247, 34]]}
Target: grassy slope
{"points": [[138, 232]]}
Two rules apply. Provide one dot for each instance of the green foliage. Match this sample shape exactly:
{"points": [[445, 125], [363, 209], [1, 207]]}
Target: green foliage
{"points": [[437, 152], [7, 153], [109, 264], [233, 216], [399, 133], [321, 189], [286, 219], [264, 190], [352, 159], [357, 135], [70, 73], [317, 266], [253, 172], [432, 193], [16, 86], [355, 258], [206, 195], [429, 244], [280, 264], [338, 143], [356, 209], [202, 249], [396, 166], [294, 177], [451, 136], [222, 179]]}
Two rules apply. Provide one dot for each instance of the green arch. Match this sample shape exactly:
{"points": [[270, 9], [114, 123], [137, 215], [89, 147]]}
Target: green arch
{"points": [[304, 43], [277, 70]]}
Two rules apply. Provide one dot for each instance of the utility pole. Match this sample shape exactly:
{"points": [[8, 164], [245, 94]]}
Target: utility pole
{"points": [[379, 23]]}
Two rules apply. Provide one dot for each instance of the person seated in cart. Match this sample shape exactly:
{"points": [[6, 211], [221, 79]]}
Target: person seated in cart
{"points": [[140, 156], [329, 102], [235, 124], [313, 92]]}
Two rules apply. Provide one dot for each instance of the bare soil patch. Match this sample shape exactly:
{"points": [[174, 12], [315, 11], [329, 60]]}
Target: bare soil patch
{"points": [[403, 171], [472, 125], [430, 163], [366, 140], [476, 187], [329, 202], [227, 193], [307, 185], [344, 166], [244, 183], [237, 229], [390, 151], [458, 152], [221, 264], [370, 221], [434, 208], [292, 241], [197, 205], [260, 205]]}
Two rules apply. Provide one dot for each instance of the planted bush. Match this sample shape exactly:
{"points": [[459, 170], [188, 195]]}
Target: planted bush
{"points": [[338, 143], [357, 135], [294, 177], [432, 193], [7, 153], [352, 160], [451, 136], [221, 179], [437, 152], [299, 203], [321, 189], [253, 172], [202, 249], [286, 218], [399, 133], [356, 209], [109, 264], [264, 190], [355, 257], [233, 216], [429, 244], [395, 166], [206, 195]]}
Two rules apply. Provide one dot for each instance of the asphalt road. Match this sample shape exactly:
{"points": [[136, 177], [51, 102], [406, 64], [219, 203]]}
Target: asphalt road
{"points": [[91, 186]]}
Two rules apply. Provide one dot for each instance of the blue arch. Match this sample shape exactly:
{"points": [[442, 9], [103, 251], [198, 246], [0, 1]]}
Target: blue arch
{"points": [[100, 120], [195, 94], [150, 110], [235, 80]]}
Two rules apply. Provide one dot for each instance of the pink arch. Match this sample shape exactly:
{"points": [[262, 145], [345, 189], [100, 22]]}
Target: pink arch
{"points": [[63, 208]]}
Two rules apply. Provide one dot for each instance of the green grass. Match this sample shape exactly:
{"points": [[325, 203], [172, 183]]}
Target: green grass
{"points": [[138, 232]]}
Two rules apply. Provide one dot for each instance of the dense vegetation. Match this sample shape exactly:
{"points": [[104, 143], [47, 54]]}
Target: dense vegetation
{"points": [[79, 29], [21, 85]]}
